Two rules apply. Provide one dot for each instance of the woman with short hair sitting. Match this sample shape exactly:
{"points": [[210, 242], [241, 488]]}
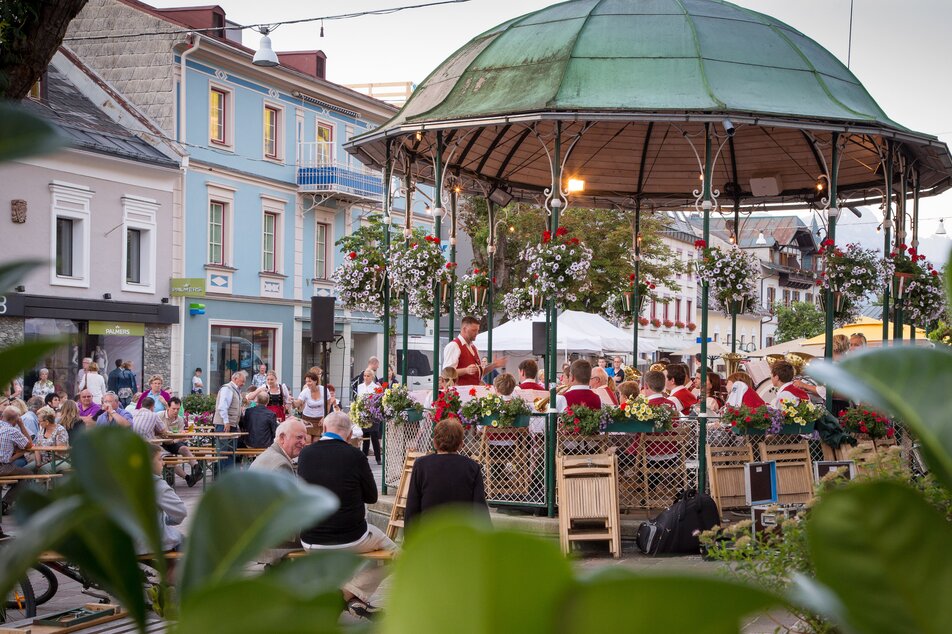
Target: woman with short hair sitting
{"points": [[445, 478]]}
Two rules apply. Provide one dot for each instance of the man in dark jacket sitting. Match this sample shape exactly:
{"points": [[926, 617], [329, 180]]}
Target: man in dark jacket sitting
{"points": [[260, 423], [334, 464]]}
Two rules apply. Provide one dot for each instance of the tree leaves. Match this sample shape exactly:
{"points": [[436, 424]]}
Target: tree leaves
{"points": [[887, 555], [23, 134]]}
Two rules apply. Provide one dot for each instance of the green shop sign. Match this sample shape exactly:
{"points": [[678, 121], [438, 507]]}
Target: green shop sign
{"points": [[187, 287], [116, 328]]}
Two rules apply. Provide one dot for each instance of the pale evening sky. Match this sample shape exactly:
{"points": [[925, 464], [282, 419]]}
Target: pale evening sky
{"points": [[900, 50]]}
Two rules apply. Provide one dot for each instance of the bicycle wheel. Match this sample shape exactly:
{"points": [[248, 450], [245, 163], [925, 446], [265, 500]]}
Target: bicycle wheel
{"points": [[20, 603], [44, 582]]}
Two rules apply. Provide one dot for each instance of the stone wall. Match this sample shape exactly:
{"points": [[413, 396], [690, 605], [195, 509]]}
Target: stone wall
{"points": [[157, 353], [141, 68], [11, 331]]}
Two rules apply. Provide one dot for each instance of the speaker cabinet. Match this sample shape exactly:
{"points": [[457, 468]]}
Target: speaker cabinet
{"points": [[322, 318], [539, 338]]}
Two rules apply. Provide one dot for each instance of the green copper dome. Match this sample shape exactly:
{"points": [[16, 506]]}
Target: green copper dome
{"points": [[630, 81], [643, 55]]}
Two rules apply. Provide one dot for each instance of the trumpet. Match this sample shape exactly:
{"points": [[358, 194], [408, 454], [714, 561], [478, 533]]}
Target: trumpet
{"points": [[541, 404]]}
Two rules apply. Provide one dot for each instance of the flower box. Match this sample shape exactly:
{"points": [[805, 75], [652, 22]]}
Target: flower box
{"points": [[413, 415], [632, 426], [491, 421], [785, 430], [668, 323]]}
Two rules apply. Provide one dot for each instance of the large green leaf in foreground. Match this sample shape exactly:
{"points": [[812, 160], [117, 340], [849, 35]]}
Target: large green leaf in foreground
{"points": [[912, 384], [887, 554]]}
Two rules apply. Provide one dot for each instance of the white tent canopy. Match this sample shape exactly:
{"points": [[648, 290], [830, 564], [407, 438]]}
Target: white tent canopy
{"points": [[580, 332]]}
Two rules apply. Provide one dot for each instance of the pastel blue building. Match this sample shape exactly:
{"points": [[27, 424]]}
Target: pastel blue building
{"points": [[267, 191]]}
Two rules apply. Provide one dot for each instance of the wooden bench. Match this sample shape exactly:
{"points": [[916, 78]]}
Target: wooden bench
{"points": [[53, 556], [44, 478], [375, 555]]}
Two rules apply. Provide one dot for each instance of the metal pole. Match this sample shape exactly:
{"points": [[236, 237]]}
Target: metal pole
{"points": [[901, 238], [454, 198], [491, 253], [635, 291], [915, 234], [553, 417], [407, 232], [832, 216], [437, 230], [706, 206], [387, 173], [887, 235], [733, 312]]}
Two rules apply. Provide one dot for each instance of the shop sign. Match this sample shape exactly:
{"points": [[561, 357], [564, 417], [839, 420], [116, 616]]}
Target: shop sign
{"points": [[116, 328], [187, 287]]}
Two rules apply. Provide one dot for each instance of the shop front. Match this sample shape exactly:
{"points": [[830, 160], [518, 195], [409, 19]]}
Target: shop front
{"points": [[104, 331]]}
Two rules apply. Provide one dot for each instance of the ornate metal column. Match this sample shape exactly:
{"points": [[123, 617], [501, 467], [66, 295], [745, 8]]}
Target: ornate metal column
{"points": [[833, 214], [454, 199], [636, 291], [887, 234], [437, 230], [407, 232], [707, 205], [387, 171], [555, 200], [490, 292]]}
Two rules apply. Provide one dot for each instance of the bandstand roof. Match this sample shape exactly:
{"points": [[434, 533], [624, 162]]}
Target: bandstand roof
{"points": [[636, 78]]}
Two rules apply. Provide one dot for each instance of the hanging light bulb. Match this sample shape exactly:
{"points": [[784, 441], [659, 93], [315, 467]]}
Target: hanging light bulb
{"points": [[761, 240], [322, 28], [265, 55], [940, 231]]}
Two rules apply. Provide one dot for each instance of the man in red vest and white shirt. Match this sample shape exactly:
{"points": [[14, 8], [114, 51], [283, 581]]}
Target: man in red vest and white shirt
{"points": [[528, 375], [781, 375], [461, 355], [600, 379], [680, 394], [579, 392]]}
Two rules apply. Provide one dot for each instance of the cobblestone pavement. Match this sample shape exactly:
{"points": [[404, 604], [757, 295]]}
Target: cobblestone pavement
{"points": [[70, 593]]}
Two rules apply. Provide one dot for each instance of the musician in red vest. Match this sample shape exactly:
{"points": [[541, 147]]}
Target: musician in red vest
{"points": [[600, 379], [461, 355], [528, 375], [680, 394], [781, 375], [579, 392]]}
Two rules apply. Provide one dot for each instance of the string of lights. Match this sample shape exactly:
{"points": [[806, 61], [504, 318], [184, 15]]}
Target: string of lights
{"points": [[266, 26]]}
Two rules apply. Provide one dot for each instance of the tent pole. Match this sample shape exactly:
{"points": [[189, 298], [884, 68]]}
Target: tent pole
{"points": [[706, 205]]}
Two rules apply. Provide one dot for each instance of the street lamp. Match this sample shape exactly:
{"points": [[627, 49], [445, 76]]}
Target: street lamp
{"points": [[265, 56]]}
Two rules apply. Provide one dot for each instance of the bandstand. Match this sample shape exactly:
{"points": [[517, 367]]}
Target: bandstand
{"points": [[656, 105]]}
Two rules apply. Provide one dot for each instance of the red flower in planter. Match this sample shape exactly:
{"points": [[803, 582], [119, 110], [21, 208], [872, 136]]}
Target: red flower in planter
{"points": [[643, 321], [700, 244], [679, 324], [561, 231], [692, 326], [656, 323], [546, 237], [352, 255], [668, 323]]}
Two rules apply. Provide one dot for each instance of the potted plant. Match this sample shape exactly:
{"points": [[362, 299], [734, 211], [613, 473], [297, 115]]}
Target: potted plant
{"points": [[583, 421], [398, 406], [656, 322], [493, 411], [668, 323], [556, 267], [799, 417], [359, 280], [617, 308], [644, 321], [472, 293], [849, 273], [692, 326], [417, 268], [679, 324], [446, 405], [754, 421], [732, 275], [862, 420], [637, 415]]}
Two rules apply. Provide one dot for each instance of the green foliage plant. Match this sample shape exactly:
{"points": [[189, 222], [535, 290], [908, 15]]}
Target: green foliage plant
{"points": [[198, 403], [799, 320]]}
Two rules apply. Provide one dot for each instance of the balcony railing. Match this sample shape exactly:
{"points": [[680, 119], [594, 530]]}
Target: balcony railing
{"points": [[318, 172]]}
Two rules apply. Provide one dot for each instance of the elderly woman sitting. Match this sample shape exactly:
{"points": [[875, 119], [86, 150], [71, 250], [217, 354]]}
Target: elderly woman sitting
{"points": [[445, 478], [51, 434]]}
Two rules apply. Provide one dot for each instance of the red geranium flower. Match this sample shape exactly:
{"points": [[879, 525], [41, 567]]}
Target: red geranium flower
{"points": [[546, 237], [935, 273], [573, 241], [352, 255], [475, 271], [561, 231], [472, 391], [700, 244], [631, 276]]}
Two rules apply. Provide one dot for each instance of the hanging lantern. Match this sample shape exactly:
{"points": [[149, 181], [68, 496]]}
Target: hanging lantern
{"points": [[479, 295], [839, 303], [738, 306], [627, 295], [900, 285]]}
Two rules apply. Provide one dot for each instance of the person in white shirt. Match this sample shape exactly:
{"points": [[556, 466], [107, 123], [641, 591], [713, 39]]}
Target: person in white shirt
{"points": [[369, 385], [311, 402], [94, 382], [261, 378], [781, 375], [198, 386], [81, 374], [461, 355]]}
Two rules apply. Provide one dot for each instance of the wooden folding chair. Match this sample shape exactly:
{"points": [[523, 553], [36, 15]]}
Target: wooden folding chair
{"points": [[725, 472], [794, 469], [400, 499], [587, 493]]}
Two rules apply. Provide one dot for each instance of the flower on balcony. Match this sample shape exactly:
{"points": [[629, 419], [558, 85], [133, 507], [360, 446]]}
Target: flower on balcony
{"points": [[679, 324], [668, 323], [656, 322], [644, 321], [692, 326]]}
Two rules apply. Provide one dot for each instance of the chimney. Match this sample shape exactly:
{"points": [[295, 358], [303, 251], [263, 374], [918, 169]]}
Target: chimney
{"points": [[313, 63]]}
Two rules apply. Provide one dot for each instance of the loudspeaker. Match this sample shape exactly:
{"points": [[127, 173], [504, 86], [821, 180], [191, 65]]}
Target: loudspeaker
{"points": [[322, 318], [540, 344]]}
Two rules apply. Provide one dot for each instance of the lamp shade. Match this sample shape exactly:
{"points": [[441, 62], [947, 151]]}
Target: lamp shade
{"points": [[265, 55]]}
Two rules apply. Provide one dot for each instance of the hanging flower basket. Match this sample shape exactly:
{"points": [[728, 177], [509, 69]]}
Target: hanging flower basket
{"points": [[360, 279], [472, 293], [840, 306], [732, 275], [739, 306], [557, 267], [852, 271], [416, 268], [916, 285]]}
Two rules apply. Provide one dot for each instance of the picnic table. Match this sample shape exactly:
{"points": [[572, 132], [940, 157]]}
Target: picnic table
{"points": [[223, 442], [59, 453]]}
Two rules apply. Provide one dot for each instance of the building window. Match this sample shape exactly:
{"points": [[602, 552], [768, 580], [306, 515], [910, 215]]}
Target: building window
{"points": [[240, 347], [677, 310], [768, 341], [809, 298], [786, 297], [219, 116], [133, 256], [324, 152], [69, 242], [269, 247], [320, 251], [796, 296], [36, 90], [654, 309], [771, 297], [690, 314], [216, 232], [665, 309], [272, 132]]}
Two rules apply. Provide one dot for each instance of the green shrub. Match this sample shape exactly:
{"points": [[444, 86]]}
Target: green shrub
{"points": [[199, 403]]}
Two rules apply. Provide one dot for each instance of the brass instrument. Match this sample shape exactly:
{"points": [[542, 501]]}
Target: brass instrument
{"points": [[541, 404], [657, 367], [631, 374]]}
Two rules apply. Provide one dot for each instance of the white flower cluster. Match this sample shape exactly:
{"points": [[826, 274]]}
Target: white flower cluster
{"points": [[732, 275], [518, 303], [472, 298], [925, 300], [414, 270], [557, 267], [359, 282], [614, 310], [853, 271]]}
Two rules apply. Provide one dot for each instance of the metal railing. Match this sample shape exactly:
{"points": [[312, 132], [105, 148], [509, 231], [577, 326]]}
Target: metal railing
{"points": [[318, 171]]}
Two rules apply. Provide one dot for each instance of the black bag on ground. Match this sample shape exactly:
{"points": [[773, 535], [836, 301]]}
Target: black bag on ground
{"points": [[676, 529]]}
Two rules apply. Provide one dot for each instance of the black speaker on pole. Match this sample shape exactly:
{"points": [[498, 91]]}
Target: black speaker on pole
{"points": [[540, 346], [322, 318]]}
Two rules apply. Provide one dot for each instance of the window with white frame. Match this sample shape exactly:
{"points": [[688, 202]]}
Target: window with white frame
{"points": [[220, 115], [324, 151], [216, 232], [320, 251], [269, 247], [273, 131], [139, 251], [69, 243]]}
